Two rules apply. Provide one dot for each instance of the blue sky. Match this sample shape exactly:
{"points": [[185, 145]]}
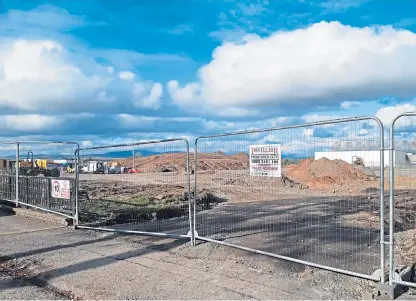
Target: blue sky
{"points": [[106, 71]]}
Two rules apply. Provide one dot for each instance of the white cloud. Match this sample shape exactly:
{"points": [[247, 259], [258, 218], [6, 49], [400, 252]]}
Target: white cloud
{"points": [[145, 99], [29, 123], [349, 104], [387, 114], [41, 75], [323, 64], [126, 75], [46, 16]]}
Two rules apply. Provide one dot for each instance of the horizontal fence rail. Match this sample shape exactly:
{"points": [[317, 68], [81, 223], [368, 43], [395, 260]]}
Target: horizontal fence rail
{"points": [[141, 188], [296, 193], [402, 205]]}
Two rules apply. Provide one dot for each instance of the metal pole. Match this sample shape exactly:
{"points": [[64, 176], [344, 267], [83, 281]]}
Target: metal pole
{"points": [[195, 184], [391, 205], [156, 234], [189, 194], [17, 173], [76, 219], [133, 161], [382, 242]]}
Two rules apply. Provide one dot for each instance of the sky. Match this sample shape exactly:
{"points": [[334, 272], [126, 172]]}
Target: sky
{"points": [[103, 72]]}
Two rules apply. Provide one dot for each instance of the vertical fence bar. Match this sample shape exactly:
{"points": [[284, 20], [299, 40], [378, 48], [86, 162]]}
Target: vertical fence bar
{"points": [[17, 173], [76, 215], [195, 186], [382, 205], [391, 205], [188, 175]]}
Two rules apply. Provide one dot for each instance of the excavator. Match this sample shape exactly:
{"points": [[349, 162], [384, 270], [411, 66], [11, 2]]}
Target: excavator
{"points": [[358, 161], [32, 167]]}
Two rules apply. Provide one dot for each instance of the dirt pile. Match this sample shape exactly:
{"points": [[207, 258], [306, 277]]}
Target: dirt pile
{"points": [[177, 162], [324, 172]]}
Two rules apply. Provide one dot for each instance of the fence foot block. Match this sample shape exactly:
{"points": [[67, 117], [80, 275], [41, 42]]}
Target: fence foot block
{"points": [[385, 292]]}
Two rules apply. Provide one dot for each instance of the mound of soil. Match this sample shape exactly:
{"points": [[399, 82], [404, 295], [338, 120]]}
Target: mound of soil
{"points": [[325, 172], [177, 162]]}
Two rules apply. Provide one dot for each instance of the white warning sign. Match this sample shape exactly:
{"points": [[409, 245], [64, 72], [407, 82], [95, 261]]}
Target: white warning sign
{"points": [[266, 160], [61, 189]]}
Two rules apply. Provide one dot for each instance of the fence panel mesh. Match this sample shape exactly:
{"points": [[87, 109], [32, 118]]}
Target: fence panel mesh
{"points": [[8, 171], [138, 187], [404, 160], [323, 209], [40, 165]]}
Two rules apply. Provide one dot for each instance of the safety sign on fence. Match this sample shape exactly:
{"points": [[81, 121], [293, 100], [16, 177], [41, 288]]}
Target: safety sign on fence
{"points": [[266, 160], [61, 189]]}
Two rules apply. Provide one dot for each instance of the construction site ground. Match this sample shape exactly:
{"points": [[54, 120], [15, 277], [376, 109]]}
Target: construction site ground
{"points": [[45, 261], [318, 211], [323, 211]]}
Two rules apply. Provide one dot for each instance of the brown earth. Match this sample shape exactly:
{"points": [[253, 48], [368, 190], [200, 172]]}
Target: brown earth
{"points": [[177, 162], [324, 172], [118, 202]]}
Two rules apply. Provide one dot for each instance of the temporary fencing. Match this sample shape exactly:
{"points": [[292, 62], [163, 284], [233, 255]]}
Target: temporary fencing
{"points": [[8, 152], [311, 194], [402, 205], [141, 188], [41, 184], [252, 194]]}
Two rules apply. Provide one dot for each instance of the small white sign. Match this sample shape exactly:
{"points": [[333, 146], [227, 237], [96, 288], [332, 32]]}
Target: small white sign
{"points": [[266, 160], [61, 189]]}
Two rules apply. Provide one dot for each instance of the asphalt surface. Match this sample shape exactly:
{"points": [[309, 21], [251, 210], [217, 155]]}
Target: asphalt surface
{"points": [[66, 264], [17, 289], [92, 265]]}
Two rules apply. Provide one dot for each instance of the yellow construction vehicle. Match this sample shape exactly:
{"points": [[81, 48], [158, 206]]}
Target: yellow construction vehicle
{"points": [[70, 168], [32, 167]]}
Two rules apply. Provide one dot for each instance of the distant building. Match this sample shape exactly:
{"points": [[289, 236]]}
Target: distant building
{"points": [[369, 158]]}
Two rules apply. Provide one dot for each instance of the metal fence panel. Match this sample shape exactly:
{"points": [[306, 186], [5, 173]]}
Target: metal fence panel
{"points": [[54, 160], [8, 171], [402, 213], [136, 188], [325, 213]]}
